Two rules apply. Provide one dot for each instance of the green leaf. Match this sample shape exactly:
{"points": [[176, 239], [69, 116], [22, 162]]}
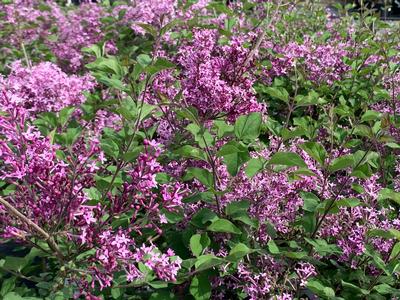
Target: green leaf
{"points": [[159, 65], [207, 261], [311, 99], [223, 225], [201, 135], [162, 295], [278, 93], [319, 289], [237, 206], [363, 130], [105, 181], [311, 201], [144, 60], [163, 178], [116, 293], [380, 233], [128, 109], [316, 151], [173, 217], [51, 135], [131, 155], [238, 251], [229, 24], [15, 263], [71, 136], [110, 147], [272, 247], [348, 202], [203, 175], [354, 289], [303, 171], [296, 255], [112, 83], [109, 65], [103, 67], [389, 194], [148, 28], [45, 285], [189, 113], [308, 221], [247, 128], [385, 289], [371, 115], [289, 159], [274, 126], [203, 216], [393, 145], [92, 193], [224, 129], [289, 134], [244, 218], [200, 288], [169, 26], [377, 259], [158, 284], [254, 166], [198, 243], [220, 8], [93, 49], [85, 254], [207, 197], [395, 251], [47, 118], [234, 155], [12, 296], [341, 163], [65, 114], [7, 286], [387, 234], [188, 263], [146, 110], [323, 248], [191, 152]]}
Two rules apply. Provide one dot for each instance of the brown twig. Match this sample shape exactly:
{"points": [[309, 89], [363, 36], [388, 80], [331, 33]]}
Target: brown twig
{"points": [[48, 238]]}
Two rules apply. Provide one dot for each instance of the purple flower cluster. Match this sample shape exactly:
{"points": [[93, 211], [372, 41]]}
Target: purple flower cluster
{"points": [[44, 191], [28, 21], [43, 88], [77, 29], [153, 12], [322, 63], [115, 253], [216, 79]]}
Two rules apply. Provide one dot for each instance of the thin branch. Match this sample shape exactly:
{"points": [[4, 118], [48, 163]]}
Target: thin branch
{"points": [[27, 60], [49, 239], [257, 45]]}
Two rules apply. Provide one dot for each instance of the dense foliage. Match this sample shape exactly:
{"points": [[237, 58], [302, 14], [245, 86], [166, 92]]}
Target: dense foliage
{"points": [[198, 150]]}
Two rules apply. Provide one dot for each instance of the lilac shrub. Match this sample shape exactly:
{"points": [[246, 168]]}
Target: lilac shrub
{"points": [[198, 150]]}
